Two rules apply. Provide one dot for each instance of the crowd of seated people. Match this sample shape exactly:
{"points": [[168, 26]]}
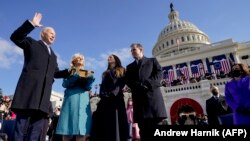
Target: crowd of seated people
{"points": [[183, 80], [6, 115]]}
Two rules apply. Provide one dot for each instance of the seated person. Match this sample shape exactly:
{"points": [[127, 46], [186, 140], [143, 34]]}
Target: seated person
{"points": [[208, 75], [164, 83], [222, 74], [192, 80]]}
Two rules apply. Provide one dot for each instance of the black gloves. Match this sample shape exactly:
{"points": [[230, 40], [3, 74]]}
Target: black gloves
{"points": [[144, 85]]}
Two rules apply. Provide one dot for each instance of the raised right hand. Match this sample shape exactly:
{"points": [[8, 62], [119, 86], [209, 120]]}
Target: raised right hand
{"points": [[36, 19]]}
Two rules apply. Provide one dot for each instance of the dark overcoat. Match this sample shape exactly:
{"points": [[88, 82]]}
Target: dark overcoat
{"points": [[147, 102], [33, 91], [110, 119], [214, 108]]}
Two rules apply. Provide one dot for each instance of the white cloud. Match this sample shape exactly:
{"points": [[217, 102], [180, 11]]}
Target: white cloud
{"points": [[9, 54], [61, 63], [124, 54], [57, 93], [94, 63]]}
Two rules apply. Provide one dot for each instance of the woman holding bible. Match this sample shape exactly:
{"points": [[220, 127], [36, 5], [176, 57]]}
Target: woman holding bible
{"points": [[75, 116]]}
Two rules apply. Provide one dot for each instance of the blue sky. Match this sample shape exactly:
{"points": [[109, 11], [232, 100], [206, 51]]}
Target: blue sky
{"points": [[97, 28]]}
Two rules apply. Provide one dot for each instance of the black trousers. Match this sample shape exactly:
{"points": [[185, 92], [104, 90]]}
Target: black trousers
{"points": [[146, 128], [29, 128]]}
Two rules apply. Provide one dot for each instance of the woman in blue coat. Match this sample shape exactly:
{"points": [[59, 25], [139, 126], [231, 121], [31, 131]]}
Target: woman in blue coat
{"points": [[75, 116]]}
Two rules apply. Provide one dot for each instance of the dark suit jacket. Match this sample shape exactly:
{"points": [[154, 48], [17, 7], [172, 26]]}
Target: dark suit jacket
{"points": [[147, 103], [214, 109], [33, 91]]}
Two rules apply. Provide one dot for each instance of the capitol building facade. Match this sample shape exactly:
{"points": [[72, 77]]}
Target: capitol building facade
{"points": [[191, 64]]}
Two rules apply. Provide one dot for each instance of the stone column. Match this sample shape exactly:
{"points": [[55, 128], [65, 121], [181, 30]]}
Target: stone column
{"points": [[211, 66], [189, 69], [236, 57], [175, 74], [204, 64]]}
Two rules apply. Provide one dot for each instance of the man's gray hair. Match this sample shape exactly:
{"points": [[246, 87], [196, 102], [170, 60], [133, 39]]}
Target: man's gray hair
{"points": [[44, 30]]}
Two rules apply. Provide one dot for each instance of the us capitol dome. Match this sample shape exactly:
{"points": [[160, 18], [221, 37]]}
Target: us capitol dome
{"points": [[179, 35], [191, 64]]}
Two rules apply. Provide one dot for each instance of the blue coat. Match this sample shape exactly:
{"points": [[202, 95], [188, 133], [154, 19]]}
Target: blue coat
{"points": [[75, 115]]}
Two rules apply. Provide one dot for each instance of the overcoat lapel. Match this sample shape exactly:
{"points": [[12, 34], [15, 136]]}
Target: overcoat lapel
{"points": [[44, 46]]}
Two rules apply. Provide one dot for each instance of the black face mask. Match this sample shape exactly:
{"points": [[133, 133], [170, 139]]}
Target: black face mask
{"points": [[236, 73]]}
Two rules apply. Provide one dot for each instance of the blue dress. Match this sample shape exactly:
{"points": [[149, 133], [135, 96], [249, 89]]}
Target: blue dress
{"points": [[75, 117], [237, 95]]}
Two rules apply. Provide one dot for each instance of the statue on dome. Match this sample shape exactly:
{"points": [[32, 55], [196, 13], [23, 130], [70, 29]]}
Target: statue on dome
{"points": [[171, 7]]}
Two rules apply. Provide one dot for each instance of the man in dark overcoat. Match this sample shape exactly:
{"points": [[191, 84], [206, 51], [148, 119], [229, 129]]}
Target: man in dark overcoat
{"points": [[216, 106], [143, 77], [32, 95]]}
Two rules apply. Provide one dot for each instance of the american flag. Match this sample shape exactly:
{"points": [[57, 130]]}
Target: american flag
{"points": [[182, 71], [221, 65], [185, 71], [201, 68], [196, 71], [225, 65], [170, 75]]}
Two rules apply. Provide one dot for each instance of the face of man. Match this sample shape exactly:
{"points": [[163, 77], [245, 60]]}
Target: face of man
{"points": [[136, 52], [48, 35]]}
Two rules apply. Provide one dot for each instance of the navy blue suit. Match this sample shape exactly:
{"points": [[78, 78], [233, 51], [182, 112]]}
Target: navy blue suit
{"points": [[214, 108], [144, 82], [32, 95]]}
